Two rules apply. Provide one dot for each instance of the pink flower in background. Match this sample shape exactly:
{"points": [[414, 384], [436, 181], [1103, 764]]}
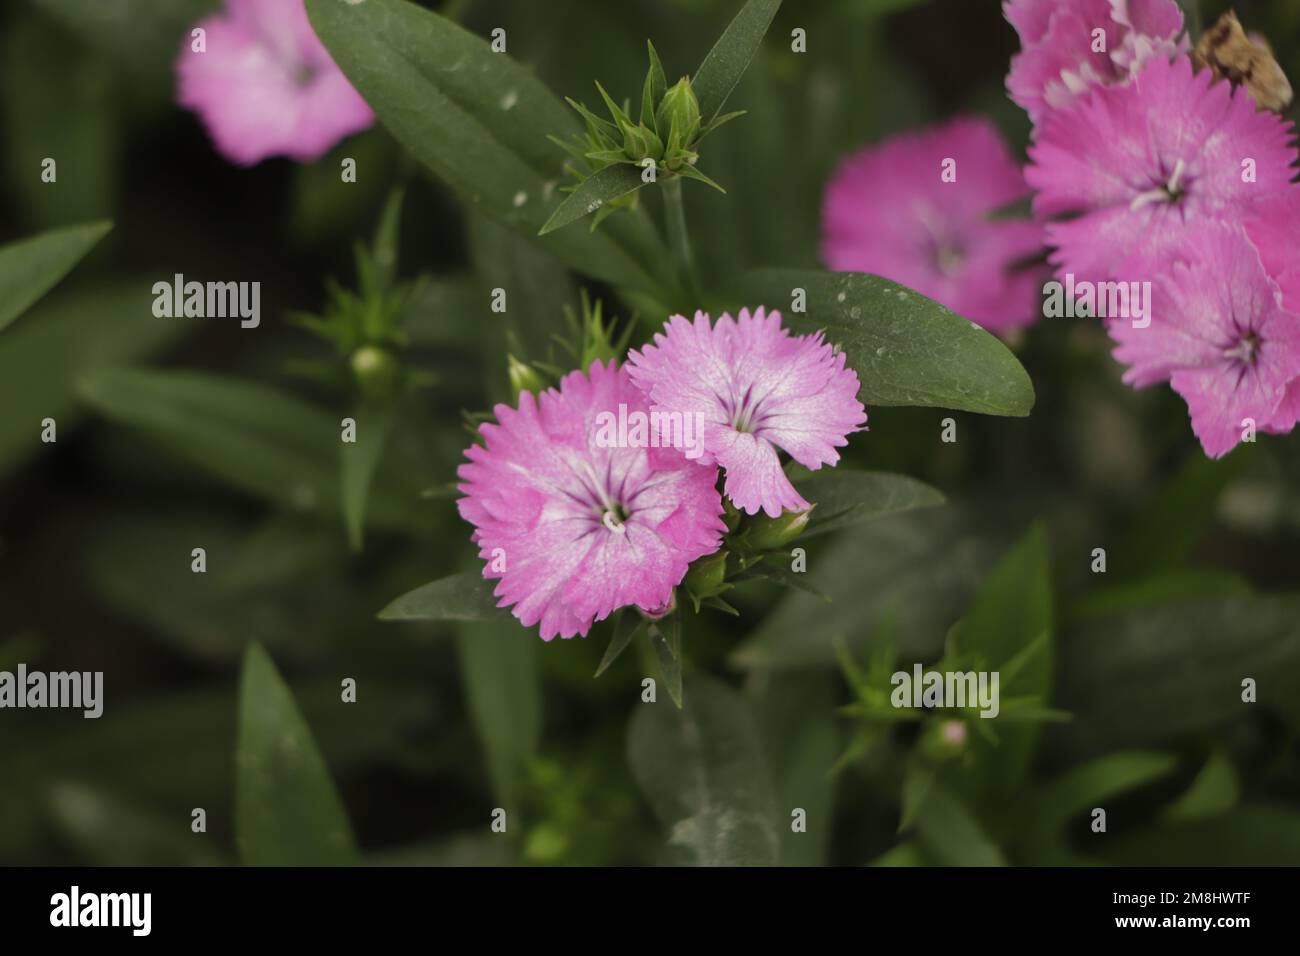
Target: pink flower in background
{"points": [[1221, 337], [1062, 59], [572, 529], [758, 388], [1133, 166], [888, 211], [265, 85]]}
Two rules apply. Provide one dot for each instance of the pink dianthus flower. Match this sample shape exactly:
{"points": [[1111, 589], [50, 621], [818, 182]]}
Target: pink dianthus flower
{"points": [[757, 388], [1131, 168], [889, 210], [264, 85], [1063, 57], [1220, 335], [572, 529]]}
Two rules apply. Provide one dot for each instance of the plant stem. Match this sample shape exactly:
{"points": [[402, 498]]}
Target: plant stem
{"points": [[679, 240]]}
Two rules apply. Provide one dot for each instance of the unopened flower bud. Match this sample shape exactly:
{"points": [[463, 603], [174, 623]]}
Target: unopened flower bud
{"points": [[679, 110], [766, 533], [376, 370], [523, 377], [706, 576]]}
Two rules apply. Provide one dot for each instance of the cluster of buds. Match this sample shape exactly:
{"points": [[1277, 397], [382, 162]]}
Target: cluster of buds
{"points": [[364, 325], [666, 136], [754, 548]]}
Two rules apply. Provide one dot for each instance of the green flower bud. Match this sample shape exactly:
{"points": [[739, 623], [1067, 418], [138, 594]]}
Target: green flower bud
{"points": [[523, 377], [706, 576], [678, 116], [944, 739], [377, 372], [766, 534]]}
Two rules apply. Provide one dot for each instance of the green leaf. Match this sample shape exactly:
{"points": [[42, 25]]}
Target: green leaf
{"points": [[480, 121], [950, 831], [626, 628], [703, 772], [1154, 673], [1011, 620], [501, 675], [387, 237], [726, 63], [461, 597], [603, 186], [1091, 784], [359, 461], [654, 88], [844, 497], [666, 636], [906, 349], [802, 741], [258, 439], [287, 812], [1215, 790], [29, 268]]}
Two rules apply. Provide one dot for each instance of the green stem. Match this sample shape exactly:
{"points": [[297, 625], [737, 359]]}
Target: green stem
{"points": [[679, 240]]}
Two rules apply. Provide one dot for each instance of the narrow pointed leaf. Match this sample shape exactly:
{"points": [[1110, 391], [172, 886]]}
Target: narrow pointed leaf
{"points": [[597, 190], [726, 63], [287, 812], [359, 461], [501, 674], [629, 625], [29, 268], [461, 597], [690, 172]]}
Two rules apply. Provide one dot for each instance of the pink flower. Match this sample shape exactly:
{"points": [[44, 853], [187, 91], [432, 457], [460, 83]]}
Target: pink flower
{"points": [[1133, 166], [575, 530], [1276, 234], [1221, 337], [1062, 58], [264, 85], [888, 210], [757, 388]]}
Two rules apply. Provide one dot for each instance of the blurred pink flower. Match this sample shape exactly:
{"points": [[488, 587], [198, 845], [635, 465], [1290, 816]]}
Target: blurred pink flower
{"points": [[574, 529], [888, 210], [265, 86], [758, 389], [1061, 58], [1221, 337], [1131, 167]]}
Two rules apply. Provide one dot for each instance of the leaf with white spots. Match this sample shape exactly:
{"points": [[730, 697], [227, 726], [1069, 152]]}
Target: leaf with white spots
{"points": [[907, 349]]}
